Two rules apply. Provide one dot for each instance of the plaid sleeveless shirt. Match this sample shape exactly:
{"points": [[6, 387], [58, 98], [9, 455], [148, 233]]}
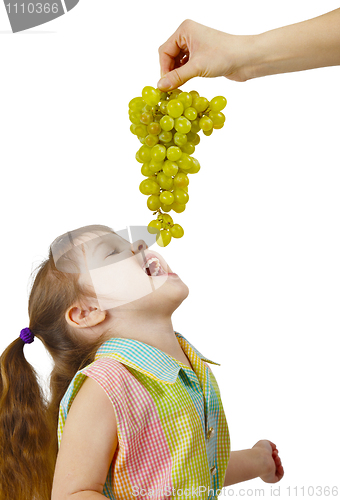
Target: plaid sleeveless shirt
{"points": [[173, 437]]}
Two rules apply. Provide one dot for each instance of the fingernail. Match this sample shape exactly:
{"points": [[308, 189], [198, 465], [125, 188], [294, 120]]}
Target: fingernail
{"points": [[164, 84]]}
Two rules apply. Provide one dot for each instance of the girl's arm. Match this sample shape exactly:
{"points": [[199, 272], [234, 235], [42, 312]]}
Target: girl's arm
{"points": [[87, 447], [262, 460]]}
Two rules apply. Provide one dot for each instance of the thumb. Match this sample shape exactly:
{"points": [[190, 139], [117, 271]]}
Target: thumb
{"points": [[177, 77]]}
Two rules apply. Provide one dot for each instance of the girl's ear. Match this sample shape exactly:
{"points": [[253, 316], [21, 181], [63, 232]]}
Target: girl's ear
{"points": [[83, 317]]}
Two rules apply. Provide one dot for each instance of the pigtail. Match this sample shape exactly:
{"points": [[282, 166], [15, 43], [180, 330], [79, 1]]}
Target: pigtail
{"points": [[26, 468]]}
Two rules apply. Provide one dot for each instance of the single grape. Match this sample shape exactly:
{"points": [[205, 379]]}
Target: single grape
{"points": [[184, 162], [133, 128], [174, 153], [144, 154], [166, 197], [188, 148], [200, 104], [175, 108], [191, 136], [205, 123], [146, 118], [138, 157], [145, 186], [180, 139], [181, 180], [167, 123], [156, 166], [145, 170], [141, 131], [151, 140], [173, 94], [196, 139], [194, 94], [167, 219], [154, 226], [135, 117], [153, 202], [208, 132], [165, 136], [195, 166], [163, 238], [166, 208], [163, 107], [218, 103], [195, 127], [190, 113], [180, 196], [177, 231], [164, 181], [185, 98], [154, 128], [170, 168], [136, 104], [154, 186], [178, 207], [158, 152], [182, 125], [151, 95], [217, 117]]}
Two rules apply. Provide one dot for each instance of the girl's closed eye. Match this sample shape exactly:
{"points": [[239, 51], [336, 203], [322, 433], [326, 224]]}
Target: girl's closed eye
{"points": [[111, 253]]}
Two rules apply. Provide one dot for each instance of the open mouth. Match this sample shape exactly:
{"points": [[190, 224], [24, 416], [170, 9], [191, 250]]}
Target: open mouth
{"points": [[153, 267]]}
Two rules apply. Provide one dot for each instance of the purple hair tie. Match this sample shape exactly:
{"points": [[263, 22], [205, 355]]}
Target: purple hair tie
{"points": [[27, 336]]}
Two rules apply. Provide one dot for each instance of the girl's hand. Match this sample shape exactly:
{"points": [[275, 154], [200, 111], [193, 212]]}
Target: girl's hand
{"points": [[272, 466], [196, 50]]}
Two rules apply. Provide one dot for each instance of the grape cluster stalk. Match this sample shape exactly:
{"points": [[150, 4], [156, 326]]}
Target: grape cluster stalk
{"points": [[168, 125]]}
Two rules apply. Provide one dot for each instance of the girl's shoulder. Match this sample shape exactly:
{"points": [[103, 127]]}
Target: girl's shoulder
{"points": [[106, 371]]}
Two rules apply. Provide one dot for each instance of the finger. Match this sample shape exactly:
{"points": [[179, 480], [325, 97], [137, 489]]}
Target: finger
{"points": [[272, 445], [168, 53], [177, 77]]}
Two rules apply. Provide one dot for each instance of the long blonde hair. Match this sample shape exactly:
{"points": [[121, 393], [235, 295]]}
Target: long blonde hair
{"points": [[28, 420]]}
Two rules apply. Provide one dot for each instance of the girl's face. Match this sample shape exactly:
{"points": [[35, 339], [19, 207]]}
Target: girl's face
{"points": [[125, 274]]}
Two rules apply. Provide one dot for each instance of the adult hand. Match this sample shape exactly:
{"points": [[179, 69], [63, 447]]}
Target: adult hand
{"points": [[196, 50]]}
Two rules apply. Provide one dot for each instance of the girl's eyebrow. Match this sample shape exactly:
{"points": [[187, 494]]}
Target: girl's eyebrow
{"points": [[102, 242]]}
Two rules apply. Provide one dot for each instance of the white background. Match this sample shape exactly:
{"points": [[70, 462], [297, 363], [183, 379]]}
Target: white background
{"points": [[261, 247]]}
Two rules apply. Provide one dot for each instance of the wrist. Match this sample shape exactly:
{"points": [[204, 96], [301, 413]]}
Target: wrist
{"points": [[262, 459], [247, 57], [245, 465]]}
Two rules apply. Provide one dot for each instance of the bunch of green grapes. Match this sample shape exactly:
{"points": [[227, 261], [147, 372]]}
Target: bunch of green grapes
{"points": [[167, 124]]}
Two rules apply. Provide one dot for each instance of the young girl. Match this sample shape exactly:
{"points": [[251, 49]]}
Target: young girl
{"points": [[135, 410]]}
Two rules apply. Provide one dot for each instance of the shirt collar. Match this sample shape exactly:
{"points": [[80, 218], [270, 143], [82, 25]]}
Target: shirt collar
{"points": [[148, 359]]}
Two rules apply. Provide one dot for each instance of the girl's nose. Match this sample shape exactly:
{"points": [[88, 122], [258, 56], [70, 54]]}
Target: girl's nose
{"points": [[138, 246]]}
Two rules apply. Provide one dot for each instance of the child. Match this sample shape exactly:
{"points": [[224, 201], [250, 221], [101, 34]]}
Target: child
{"points": [[137, 407]]}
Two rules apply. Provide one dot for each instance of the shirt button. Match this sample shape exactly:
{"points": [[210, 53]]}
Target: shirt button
{"points": [[213, 470], [210, 433]]}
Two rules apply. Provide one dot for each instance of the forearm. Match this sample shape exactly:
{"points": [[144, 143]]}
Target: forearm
{"points": [[309, 44], [244, 465]]}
